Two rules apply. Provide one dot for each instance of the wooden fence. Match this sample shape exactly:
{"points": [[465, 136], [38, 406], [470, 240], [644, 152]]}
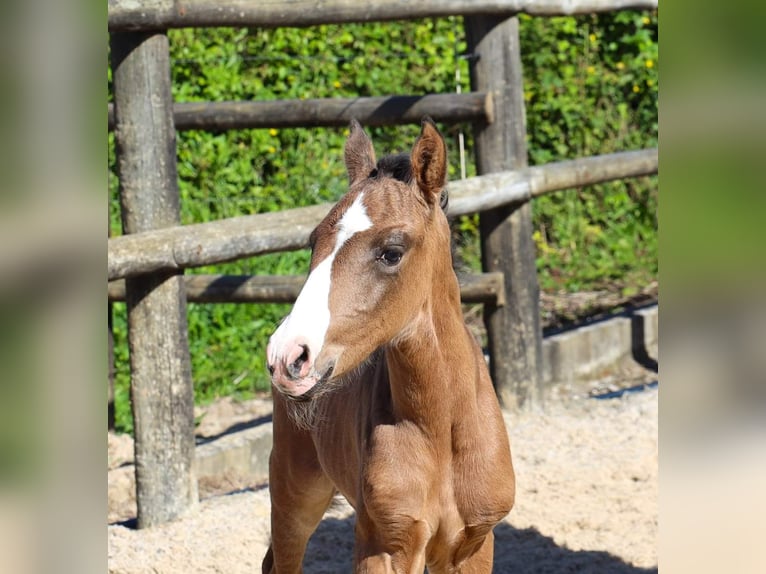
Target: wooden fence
{"points": [[146, 265]]}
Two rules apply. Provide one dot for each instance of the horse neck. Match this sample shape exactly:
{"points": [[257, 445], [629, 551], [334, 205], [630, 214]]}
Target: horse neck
{"points": [[432, 364]]}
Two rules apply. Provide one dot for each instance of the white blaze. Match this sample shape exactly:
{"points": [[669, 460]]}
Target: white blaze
{"points": [[309, 319]]}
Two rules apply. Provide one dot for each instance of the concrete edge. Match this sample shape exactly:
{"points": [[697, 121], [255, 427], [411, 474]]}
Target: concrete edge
{"points": [[244, 453], [584, 352]]}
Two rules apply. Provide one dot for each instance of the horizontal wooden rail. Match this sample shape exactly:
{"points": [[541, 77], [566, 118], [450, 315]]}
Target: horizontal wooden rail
{"points": [[476, 194], [239, 237], [213, 242], [474, 288], [160, 14], [326, 112]]}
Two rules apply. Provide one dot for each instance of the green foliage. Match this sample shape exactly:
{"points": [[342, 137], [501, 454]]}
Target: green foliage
{"points": [[590, 88]]}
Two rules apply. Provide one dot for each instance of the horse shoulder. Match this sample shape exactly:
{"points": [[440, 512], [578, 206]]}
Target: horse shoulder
{"points": [[398, 471], [483, 475]]}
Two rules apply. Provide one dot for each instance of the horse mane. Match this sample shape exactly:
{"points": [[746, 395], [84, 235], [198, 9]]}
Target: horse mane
{"points": [[396, 166], [399, 167]]}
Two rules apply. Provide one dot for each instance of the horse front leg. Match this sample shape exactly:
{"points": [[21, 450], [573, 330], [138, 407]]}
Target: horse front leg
{"points": [[401, 549], [480, 562], [295, 513], [300, 494]]}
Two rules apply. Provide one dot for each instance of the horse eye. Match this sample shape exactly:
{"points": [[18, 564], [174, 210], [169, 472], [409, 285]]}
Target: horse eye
{"points": [[391, 257], [444, 200]]}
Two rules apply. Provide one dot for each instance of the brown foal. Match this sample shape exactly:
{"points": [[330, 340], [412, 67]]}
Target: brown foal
{"points": [[382, 393]]}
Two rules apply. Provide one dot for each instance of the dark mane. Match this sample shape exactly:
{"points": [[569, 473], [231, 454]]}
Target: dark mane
{"points": [[397, 166]]}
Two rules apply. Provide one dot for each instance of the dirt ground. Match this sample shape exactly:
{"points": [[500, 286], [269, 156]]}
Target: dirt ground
{"points": [[586, 496]]}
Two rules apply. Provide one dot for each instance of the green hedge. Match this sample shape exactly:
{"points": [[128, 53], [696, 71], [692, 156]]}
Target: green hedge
{"points": [[590, 85]]}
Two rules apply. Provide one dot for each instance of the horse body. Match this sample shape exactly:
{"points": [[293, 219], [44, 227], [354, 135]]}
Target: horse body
{"points": [[384, 395]]}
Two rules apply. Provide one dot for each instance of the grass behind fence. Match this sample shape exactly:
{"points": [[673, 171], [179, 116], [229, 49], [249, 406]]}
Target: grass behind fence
{"points": [[590, 87]]}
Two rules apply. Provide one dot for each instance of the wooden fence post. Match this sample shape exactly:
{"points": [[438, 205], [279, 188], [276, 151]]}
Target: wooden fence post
{"points": [[161, 385], [513, 330], [110, 359], [110, 370]]}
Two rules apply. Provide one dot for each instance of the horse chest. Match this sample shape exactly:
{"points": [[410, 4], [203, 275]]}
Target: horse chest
{"points": [[406, 474]]}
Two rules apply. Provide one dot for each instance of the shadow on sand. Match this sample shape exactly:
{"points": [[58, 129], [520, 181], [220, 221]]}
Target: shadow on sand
{"points": [[516, 552]]}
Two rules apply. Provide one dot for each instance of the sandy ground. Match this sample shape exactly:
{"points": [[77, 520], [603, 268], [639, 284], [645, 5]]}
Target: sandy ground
{"points": [[586, 500]]}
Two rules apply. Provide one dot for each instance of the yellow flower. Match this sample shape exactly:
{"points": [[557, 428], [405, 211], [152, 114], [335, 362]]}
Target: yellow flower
{"points": [[272, 149], [593, 231], [646, 21], [650, 82], [650, 63], [592, 37], [336, 83], [540, 243], [273, 132], [636, 89], [591, 70], [620, 66]]}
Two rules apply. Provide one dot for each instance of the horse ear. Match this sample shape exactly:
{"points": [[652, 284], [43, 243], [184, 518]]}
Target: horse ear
{"points": [[429, 161], [359, 154]]}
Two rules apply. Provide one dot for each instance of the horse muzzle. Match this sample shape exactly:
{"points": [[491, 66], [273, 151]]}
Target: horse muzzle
{"points": [[294, 371]]}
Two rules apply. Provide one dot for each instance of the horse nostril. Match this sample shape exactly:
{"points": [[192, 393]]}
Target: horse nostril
{"points": [[294, 368], [270, 367]]}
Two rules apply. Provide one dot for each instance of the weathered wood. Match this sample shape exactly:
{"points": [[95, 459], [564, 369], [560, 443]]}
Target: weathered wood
{"points": [[213, 242], [110, 369], [246, 236], [325, 112], [158, 14], [492, 190], [231, 288], [513, 331], [482, 288], [161, 385], [110, 364], [474, 288]]}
